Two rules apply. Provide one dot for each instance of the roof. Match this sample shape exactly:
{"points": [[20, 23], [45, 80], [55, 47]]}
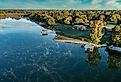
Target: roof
{"points": [[81, 27], [78, 26], [108, 28]]}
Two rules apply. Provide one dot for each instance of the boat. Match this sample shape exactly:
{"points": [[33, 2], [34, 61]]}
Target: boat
{"points": [[114, 49], [89, 48], [44, 32]]}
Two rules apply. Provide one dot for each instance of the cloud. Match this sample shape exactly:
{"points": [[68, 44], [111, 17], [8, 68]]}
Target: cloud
{"points": [[96, 1], [62, 4], [107, 4], [113, 4]]}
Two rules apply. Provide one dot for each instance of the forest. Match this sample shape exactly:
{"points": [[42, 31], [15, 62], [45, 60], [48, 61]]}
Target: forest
{"points": [[94, 20]]}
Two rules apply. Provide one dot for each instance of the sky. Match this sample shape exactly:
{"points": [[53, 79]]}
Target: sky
{"points": [[61, 4]]}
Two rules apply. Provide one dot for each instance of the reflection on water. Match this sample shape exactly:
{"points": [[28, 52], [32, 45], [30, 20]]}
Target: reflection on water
{"points": [[27, 56], [94, 58], [114, 61]]}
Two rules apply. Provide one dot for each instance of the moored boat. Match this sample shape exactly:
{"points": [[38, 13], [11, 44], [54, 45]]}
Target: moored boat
{"points": [[114, 49], [44, 32], [89, 48]]}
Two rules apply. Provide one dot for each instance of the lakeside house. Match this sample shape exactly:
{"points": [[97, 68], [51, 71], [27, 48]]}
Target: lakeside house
{"points": [[79, 27], [108, 30]]}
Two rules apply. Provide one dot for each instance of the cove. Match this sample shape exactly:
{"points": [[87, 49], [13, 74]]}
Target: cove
{"points": [[27, 56]]}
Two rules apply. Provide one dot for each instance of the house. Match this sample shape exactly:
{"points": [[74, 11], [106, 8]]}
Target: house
{"points": [[108, 30], [89, 48], [79, 27]]}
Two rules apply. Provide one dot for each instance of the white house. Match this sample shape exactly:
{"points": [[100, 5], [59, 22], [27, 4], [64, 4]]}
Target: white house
{"points": [[79, 27]]}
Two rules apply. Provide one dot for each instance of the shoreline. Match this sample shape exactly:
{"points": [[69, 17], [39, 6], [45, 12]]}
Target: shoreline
{"points": [[66, 39], [63, 38], [75, 41]]}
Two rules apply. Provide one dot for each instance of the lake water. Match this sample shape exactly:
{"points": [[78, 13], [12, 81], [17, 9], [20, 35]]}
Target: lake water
{"points": [[27, 56]]}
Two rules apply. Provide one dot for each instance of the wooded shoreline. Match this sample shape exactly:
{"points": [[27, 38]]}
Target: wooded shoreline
{"points": [[93, 19]]}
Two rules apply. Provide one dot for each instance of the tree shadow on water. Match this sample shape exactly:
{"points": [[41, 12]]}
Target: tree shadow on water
{"points": [[94, 58], [114, 61]]}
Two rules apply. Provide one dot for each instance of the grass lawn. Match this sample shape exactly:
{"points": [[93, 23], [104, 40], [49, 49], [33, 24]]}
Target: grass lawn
{"points": [[72, 33], [69, 32], [105, 39]]}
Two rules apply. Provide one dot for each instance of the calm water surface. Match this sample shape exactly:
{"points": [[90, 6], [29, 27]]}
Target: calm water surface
{"points": [[27, 56]]}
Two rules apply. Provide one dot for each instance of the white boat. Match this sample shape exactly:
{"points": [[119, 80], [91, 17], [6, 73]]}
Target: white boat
{"points": [[113, 48], [89, 48], [44, 32]]}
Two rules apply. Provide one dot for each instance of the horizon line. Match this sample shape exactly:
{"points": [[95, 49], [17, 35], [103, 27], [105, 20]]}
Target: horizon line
{"points": [[51, 9]]}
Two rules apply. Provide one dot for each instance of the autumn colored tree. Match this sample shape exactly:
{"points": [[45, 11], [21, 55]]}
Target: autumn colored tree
{"points": [[91, 24], [77, 13], [102, 17], [116, 35], [81, 19], [51, 21], [68, 20], [65, 13], [96, 33], [90, 15], [115, 18]]}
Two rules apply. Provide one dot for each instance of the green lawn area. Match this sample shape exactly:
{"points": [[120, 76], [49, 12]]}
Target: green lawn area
{"points": [[69, 32], [105, 39], [72, 33]]}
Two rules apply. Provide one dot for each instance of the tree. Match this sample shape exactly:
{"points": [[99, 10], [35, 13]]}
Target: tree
{"points": [[78, 13], [116, 35], [102, 17], [79, 20], [51, 21], [115, 17], [90, 15], [96, 33], [65, 13], [68, 20], [91, 23]]}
